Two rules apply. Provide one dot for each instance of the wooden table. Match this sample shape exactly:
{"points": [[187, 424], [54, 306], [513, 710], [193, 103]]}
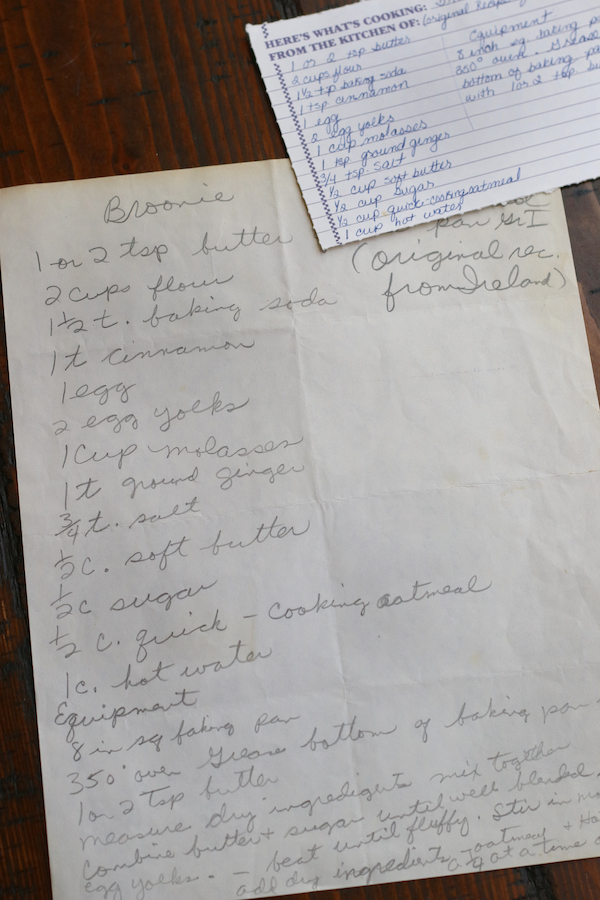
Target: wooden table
{"points": [[105, 87]]}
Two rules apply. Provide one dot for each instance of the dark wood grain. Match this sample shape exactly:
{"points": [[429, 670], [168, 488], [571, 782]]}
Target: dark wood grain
{"points": [[103, 87]]}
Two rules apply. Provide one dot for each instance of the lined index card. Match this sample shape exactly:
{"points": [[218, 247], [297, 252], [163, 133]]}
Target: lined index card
{"points": [[397, 115]]}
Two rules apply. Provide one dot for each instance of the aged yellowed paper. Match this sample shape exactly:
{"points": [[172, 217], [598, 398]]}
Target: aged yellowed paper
{"points": [[310, 539]]}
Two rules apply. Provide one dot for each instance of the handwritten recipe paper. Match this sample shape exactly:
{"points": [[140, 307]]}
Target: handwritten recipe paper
{"points": [[310, 540], [396, 115]]}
